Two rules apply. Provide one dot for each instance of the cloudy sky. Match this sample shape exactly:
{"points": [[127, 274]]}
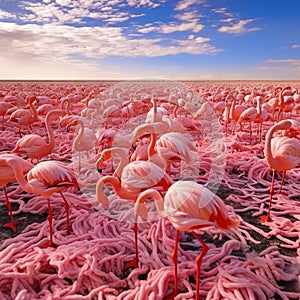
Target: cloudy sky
{"points": [[150, 39]]}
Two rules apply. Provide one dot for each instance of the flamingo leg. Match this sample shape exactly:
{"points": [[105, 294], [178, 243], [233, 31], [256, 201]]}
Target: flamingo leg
{"points": [[79, 162], [135, 262], [50, 221], [268, 217], [174, 257], [12, 223], [67, 209], [198, 262], [282, 182], [20, 134], [259, 131]]}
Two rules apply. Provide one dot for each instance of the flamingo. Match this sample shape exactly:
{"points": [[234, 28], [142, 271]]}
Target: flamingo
{"points": [[262, 116], [188, 206], [85, 139], [282, 103], [24, 116], [282, 153], [7, 175], [108, 138], [169, 147], [45, 179], [251, 114], [155, 113], [235, 109], [4, 107], [33, 145], [128, 181]]}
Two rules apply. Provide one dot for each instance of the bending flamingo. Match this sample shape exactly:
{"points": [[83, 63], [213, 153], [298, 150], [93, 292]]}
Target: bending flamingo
{"points": [[188, 206], [282, 153], [169, 147], [35, 146], [250, 114], [128, 181], [7, 175], [24, 116], [45, 179]]}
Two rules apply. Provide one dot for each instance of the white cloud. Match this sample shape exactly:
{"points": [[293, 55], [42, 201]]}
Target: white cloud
{"points": [[223, 11], [228, 20], [289, 67], [238, 28], [188, 16], [6, 15], [294, 62], [295, 46], [63, 43], [184, 4], [139, 3], [172, 27]]}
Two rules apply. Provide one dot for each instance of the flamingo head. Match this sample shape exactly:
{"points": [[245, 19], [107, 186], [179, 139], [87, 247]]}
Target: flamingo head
{"points": [[105, 155]]}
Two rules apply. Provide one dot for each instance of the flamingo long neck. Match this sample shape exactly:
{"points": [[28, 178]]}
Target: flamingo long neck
{"points": [[18, 170], [151, 148], [156, 196], [175, 110], [51, 139], [258, 106], [154, 116], [232, 108], [65, 104], [80, 133], [33, 109], [123, 161], [267, 151]]}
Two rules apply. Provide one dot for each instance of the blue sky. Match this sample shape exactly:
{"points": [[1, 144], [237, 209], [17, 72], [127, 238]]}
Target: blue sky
{"points": [[150, 39]]}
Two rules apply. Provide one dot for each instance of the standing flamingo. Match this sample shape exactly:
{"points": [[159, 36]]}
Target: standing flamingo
{"points": [[35, 146], [45, 179], [85, 139], [24, 116], [7, 175], [188, 206], [128, 181], [282, 153], [250, 115], [4, 107]]}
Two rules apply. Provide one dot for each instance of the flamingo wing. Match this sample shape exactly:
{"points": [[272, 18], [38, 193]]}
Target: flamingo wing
{"points": [[29, 144], [287, 150], [144, 174], [50, 174]]}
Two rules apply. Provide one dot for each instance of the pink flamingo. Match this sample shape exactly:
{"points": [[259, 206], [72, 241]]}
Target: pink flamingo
{"points": [[168, 148], [128, 181], [282, 153], [108, 138], [250, 114], [85, 139], [262, 116], [45, 179], [282, 103], [7, 175], [35, 146], [4, 107], [24, 116], [235, 109], [188, 206]]}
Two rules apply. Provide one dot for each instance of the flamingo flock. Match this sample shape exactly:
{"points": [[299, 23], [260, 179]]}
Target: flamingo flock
{"points": [[191, 168]]}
